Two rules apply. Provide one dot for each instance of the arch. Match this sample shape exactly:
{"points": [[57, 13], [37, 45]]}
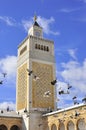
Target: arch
{"points": [[39, 46], [42, 48], [70, 125], [53, 127], [14, 127], [61, 126], [3, 127], [36, 46], [47, 48], [81, 124]]}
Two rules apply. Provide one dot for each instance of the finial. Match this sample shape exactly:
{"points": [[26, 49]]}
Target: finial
{"points": [[35, 17], [35, 20]]}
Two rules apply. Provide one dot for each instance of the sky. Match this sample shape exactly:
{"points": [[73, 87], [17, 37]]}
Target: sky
{"points": [[64, 22]]}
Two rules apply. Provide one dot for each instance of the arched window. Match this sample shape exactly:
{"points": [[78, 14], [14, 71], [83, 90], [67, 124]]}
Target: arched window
{"points": [[47, 48], [81, 125], [3, 127], [70, 125], [15, 127], [53, 127], [61, 126], [36, 46], [42, 47]]}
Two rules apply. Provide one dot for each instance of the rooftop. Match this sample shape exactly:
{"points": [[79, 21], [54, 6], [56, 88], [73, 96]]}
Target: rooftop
{"points": [[64, 109], [10, 113]]}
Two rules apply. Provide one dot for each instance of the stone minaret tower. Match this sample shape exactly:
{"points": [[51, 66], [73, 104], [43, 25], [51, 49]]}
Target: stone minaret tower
{"points": [[35, 54]]}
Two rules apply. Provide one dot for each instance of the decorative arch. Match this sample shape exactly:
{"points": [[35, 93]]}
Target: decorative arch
{"points": [[70, 125], [3, 127], [61, 126], [81, 125], [42, 48], [39, 46], [14, 127], [47, 48], [53, 127], [36, 46]]}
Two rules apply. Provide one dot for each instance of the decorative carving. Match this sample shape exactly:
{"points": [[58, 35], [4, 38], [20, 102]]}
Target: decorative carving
{"points": [[22, 87], [45, 73]]}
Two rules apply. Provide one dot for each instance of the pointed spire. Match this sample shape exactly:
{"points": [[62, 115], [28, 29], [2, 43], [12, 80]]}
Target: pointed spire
{"points": [[35, 20]]}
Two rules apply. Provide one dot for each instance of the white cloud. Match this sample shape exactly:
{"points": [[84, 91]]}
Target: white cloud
{"points": [[8, 65], [27, 24], [84, 1], [43, 22], [8, 20], [72, 53], [4, 105], [61, 85], [75, 73], [66, 10]]}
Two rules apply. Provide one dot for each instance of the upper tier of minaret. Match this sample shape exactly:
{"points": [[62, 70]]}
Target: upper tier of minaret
{"points": [[36, 29]]}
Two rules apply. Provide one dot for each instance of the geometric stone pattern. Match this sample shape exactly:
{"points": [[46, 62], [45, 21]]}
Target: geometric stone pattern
{"points": [[22, 87], [43, 84]]}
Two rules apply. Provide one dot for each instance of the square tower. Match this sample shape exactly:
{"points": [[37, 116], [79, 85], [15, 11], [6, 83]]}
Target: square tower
{"points": [[35, 71]]}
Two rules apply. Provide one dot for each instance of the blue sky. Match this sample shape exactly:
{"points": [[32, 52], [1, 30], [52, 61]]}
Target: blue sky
{"points": [[64, 22]]}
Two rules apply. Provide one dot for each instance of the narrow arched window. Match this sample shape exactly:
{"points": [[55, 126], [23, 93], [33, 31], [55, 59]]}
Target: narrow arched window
{"points": [[61, 126], [53, 127], [38, 46], [15, 127], [42, 47], [70, 125], [47, 48], [81, 124], [3, 127]]}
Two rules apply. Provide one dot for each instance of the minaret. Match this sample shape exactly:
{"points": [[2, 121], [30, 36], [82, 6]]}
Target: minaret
{"points": [[35, 54]]}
